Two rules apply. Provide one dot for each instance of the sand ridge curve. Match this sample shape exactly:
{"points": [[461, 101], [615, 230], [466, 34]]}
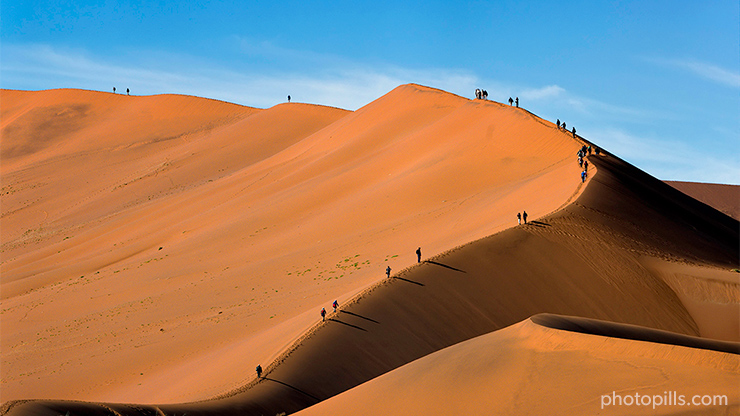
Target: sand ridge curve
{"points": [[587, 259], [176, 233]]}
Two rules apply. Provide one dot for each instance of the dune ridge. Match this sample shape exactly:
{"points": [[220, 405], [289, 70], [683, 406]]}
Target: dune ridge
{"points": [[478, 288], [625, 251], [534, 367], [225, 239], [632, 332]]}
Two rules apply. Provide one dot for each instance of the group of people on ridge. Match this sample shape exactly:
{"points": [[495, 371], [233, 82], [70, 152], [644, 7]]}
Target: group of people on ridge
{"points": [[483, 95], [582, 153], [564, 128], [334, 305], [521, 216]]}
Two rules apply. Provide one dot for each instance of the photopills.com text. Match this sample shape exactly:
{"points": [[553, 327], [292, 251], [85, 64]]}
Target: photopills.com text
{"points": [[668, 398]]}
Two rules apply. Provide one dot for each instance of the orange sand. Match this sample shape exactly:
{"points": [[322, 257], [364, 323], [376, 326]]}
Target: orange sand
{"points": [[530, 369], [209, 235], [181, 228]]}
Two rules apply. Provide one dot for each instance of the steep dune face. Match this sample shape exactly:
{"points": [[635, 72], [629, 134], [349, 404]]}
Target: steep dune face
{"points": [[606, 256], [186, 231], [416, 167], [529, 368]]}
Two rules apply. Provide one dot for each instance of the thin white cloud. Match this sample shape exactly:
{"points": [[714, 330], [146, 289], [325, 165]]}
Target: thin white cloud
{"points": [[347, 86], [704, 70], [548, 92], [554, 99], [351, 85], [714, 73], [670, 160]]}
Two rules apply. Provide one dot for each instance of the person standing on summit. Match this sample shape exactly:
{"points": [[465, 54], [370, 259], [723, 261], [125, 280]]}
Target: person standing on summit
{"points": [[524, 217], [388, 271], [418, 255], [519, 217]]}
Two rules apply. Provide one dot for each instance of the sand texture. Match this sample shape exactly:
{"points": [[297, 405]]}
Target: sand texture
{"points": [[156, 249]]}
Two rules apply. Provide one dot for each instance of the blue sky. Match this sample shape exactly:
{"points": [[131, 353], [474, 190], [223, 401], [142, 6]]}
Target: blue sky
{"points": [[655, 82]]}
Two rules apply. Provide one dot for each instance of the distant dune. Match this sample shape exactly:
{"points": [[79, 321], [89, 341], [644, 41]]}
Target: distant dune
{"points": [[194, 258], [724, 198]]}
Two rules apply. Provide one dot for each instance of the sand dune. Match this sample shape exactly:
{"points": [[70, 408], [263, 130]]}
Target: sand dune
{"points": [[603, 257], [97, 221], [530, 368], [187, 231], [318, 217], [724, 198]]}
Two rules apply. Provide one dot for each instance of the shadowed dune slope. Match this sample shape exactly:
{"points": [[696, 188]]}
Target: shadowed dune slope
{"points": [[606, 256], [595, 258], [195, 238], [538, 367], [630, 249], [725, 198]]}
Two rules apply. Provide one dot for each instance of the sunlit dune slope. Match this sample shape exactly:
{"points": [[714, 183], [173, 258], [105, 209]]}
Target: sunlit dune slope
{"points": [[535, 367], [724, 198], [83, 226], [630, 249], [195, 238]]}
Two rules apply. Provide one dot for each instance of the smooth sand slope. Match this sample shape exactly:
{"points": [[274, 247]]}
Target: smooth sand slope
{"points": [[630, 249], [725, 198], [104, 239], [538, 367], [154, 249]]}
